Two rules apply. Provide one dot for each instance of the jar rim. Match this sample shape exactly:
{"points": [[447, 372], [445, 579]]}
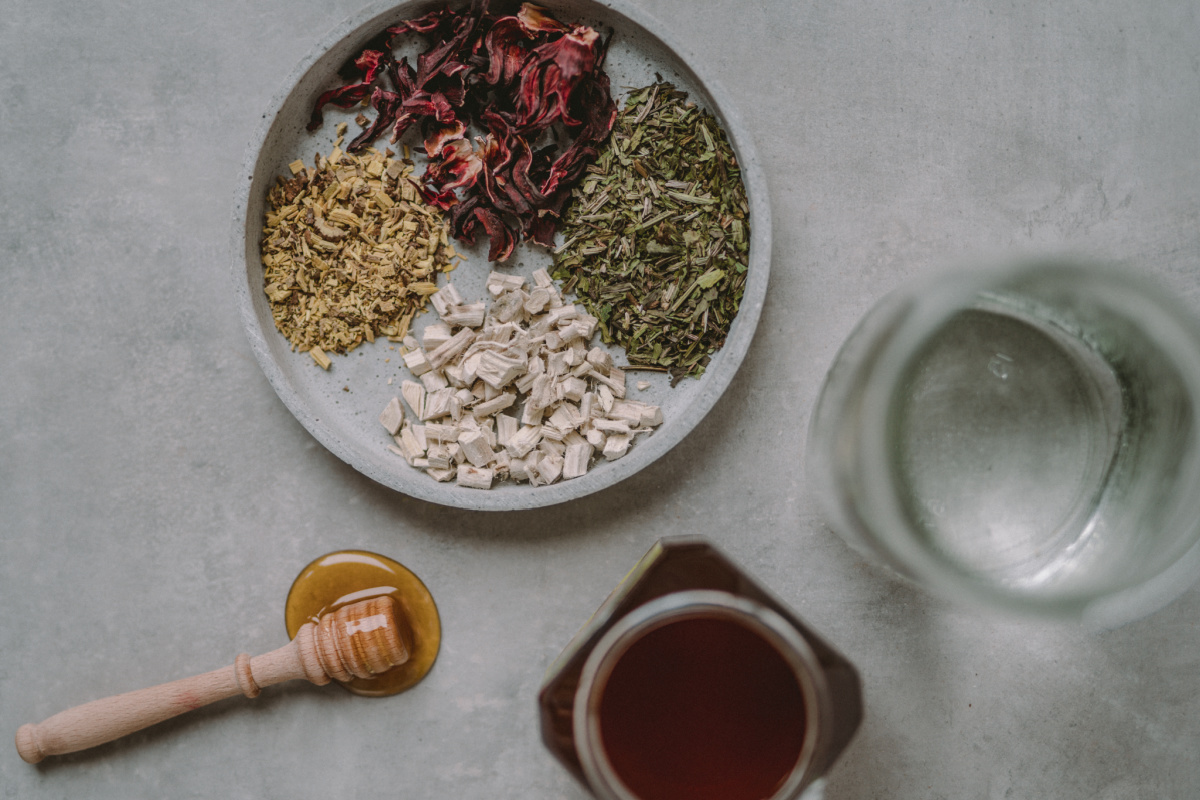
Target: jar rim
{"points": [[680, 606]]}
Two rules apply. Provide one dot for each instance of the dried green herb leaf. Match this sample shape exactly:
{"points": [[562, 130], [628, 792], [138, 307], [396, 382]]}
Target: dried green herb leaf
{"points": [[656, 240], [710, 278]]}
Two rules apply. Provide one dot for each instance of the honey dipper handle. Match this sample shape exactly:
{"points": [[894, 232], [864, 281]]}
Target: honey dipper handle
{"points": [[102, 721]]}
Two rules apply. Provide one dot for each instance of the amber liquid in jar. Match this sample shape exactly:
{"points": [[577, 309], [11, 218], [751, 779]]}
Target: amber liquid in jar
{"points": [[702, 709]]}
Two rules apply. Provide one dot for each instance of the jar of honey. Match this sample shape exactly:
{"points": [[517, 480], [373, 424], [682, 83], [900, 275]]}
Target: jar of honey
{"points": [[692, 681]]}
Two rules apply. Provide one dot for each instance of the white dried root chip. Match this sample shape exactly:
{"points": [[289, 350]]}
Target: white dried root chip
{"points": [[438, 404], [416, 362], [453, 346], [475, 447], [495, 405], [636, 413], [414, 394], [418, 432], [506, 428], [575, 463], [524, 440], [438, 456], [408, 445], [445, 298], [550, 468], [436, 432], [433, 381], [513, 391], [475, 477], [435, 335], [573, 388], [617, 445], [498, 283], [607, 426], [469, 316], [392, 416]]}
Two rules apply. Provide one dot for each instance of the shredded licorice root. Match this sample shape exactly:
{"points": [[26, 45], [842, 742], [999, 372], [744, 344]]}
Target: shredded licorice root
{"points": [[656, 240], [350, 252]]}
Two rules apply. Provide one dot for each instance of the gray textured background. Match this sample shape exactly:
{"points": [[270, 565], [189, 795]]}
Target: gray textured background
{"points": [[156, 498]]}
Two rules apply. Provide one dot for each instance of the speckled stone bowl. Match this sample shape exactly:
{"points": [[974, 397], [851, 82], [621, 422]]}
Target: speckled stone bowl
{"points": [[340, 407]]}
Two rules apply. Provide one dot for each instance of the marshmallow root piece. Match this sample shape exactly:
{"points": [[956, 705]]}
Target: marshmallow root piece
{"points": [[529, 352], [475, 477], [575, 463], [393, 416]]}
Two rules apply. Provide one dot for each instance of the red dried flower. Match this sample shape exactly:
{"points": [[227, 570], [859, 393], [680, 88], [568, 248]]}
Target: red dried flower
{"points": [[385, 104], [506, 45], [425, 24], [535, 19], [436, 138], [455, 166], [550, 75], [512, 78], [369, 63]]}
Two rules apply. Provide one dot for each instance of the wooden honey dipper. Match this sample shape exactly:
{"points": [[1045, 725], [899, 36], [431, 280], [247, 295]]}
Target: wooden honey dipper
{"points": [[361, 640]]}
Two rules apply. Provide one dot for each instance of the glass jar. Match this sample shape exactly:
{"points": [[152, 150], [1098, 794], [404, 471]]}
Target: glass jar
{"points": [[691, 681], [1023, 437]]}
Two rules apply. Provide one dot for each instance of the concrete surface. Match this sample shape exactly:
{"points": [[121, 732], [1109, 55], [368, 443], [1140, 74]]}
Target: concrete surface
{"points": [[156, 498]]}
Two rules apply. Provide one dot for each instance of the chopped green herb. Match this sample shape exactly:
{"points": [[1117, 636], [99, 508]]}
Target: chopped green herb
{"points": [[656, 241]]}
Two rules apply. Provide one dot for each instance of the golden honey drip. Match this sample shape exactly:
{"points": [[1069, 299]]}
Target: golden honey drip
{"points": [[348, 576]]}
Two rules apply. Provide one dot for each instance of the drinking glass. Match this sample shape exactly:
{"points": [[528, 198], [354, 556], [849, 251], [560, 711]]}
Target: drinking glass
{"points": [[1023, 437]]}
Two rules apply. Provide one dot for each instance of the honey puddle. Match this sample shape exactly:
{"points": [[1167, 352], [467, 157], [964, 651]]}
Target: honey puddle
{"points": [[348, 576]]}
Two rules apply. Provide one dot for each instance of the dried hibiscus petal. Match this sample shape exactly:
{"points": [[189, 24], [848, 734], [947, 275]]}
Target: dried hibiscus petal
{"points": [[456, 166], [369, 63], [385, 104], [462, 218], [506, 47], [443, 200], [425, 24], [437, 138], [535, 19], [541, 229], [431, 61], [521, 177], [554, 71], [502, 237], [517, 79], [436, 106], [403, 77]]}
